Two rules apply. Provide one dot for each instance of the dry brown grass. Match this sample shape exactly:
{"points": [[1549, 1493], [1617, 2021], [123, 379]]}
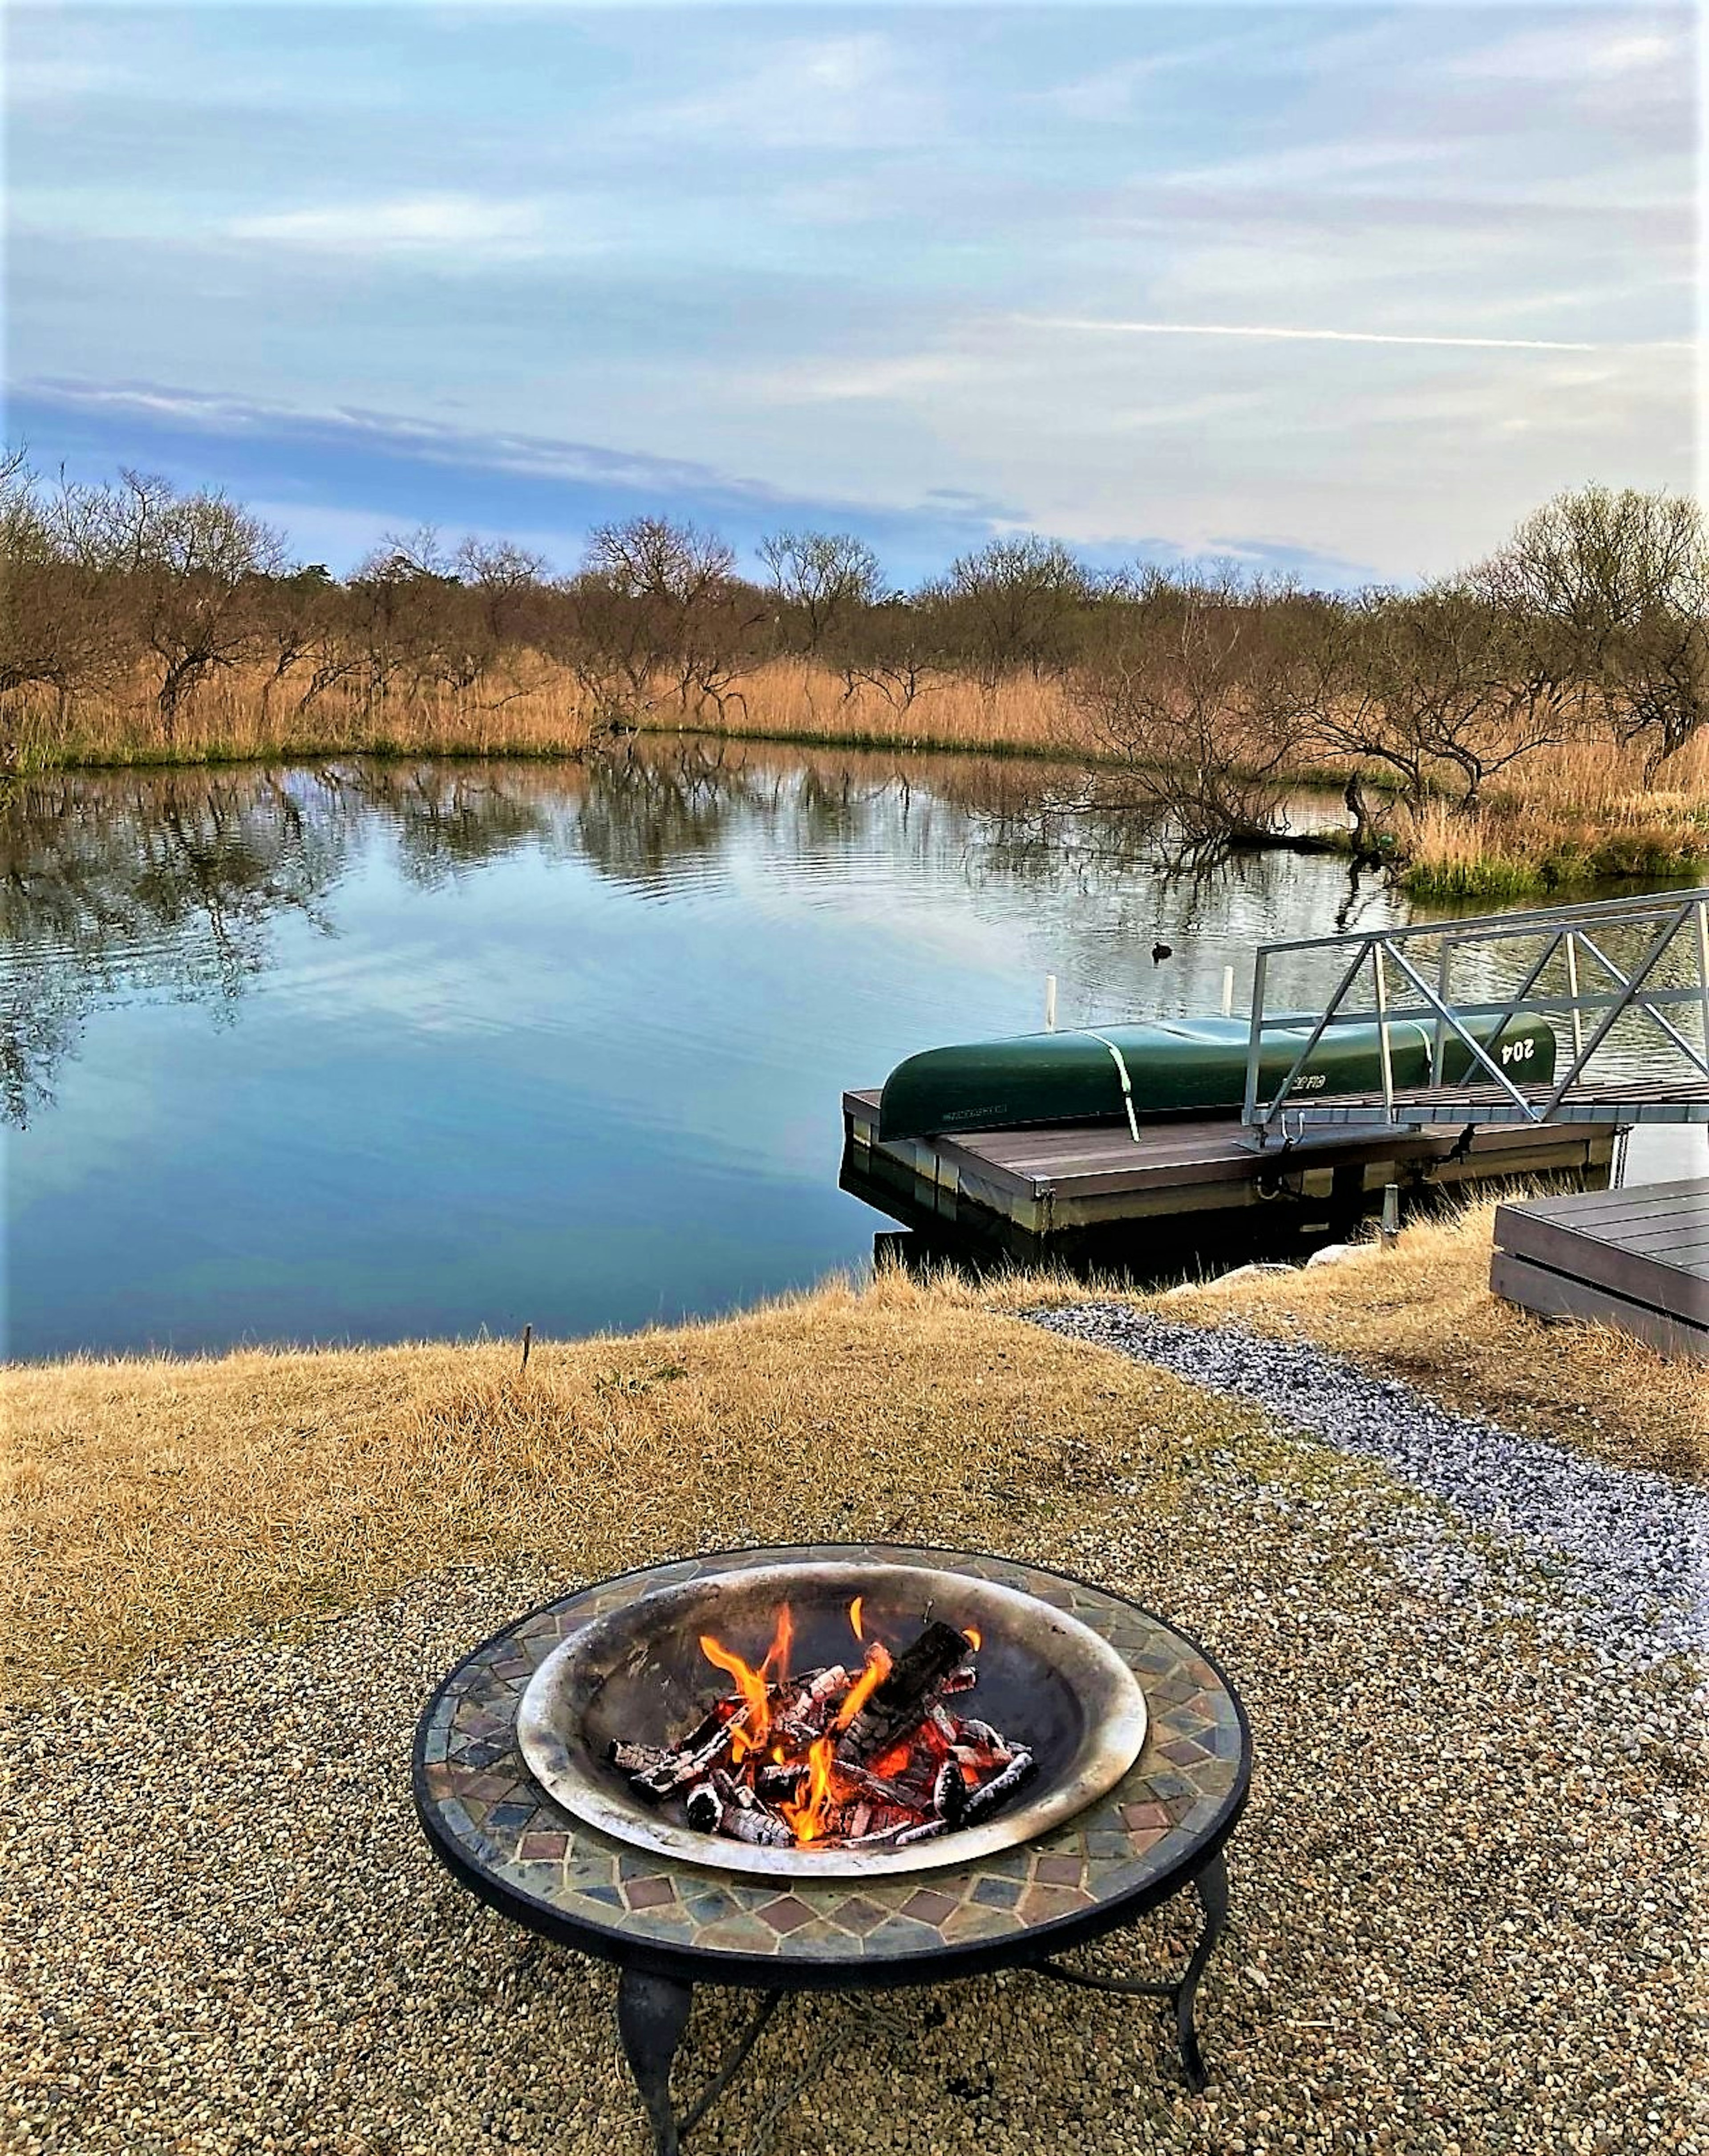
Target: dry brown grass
{"points": [[153, 1502], [541, 712], [794, 700], [1423, 1311], [1578, 812], [237, 717]]}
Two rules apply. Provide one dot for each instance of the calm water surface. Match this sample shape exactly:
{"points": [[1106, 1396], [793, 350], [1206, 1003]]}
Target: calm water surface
{"points": [[376, 1052]]}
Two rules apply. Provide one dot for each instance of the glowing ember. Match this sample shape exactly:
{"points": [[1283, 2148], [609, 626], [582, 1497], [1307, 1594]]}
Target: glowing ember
{"points": [[837, 1757]]}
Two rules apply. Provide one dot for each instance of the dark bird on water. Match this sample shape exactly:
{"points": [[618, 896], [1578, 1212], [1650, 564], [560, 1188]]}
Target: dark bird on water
{"points": [[1161, 951]]}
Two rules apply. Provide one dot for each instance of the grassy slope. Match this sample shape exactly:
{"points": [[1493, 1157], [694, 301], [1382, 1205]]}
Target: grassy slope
{"points": [[157, 1501], [154, 1501]]}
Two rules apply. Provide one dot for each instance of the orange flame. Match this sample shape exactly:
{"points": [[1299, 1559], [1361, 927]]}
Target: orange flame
{"points": [[807, 1821], [760, 1736], [878, 1668], [776, 1666], [751, 1684]]}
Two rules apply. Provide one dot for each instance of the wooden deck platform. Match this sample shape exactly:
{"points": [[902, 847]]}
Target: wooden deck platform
{"points": [[1637, 1258], [1088, 1188]]}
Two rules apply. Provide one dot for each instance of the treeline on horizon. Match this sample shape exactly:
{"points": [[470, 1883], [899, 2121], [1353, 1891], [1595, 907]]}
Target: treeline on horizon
{"points": [[1590, 620]]}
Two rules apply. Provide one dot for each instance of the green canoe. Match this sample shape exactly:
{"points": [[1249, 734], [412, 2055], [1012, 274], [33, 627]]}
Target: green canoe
{"points": [[1172, 1067]]}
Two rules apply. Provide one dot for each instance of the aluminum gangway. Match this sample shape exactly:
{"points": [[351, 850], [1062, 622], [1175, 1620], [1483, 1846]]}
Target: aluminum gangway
{"points": [[1613, 977]]}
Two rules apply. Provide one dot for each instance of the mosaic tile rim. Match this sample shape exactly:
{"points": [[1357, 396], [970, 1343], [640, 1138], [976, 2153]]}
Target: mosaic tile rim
{"points": [[493, 1826]]}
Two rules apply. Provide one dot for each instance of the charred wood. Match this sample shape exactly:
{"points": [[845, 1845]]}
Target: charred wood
{"points": [[705, 1808], [901, 1702], [985, 1799]]}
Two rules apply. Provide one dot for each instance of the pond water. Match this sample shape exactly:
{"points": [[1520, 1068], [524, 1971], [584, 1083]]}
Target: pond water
{"points": [[374, 1052]]}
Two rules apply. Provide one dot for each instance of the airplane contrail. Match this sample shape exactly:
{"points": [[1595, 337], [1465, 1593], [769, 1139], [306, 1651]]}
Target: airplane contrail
{"points": [[1302, 337]]}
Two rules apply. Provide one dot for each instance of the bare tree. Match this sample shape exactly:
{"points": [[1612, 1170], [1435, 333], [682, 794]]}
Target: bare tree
{"points": [[57, 625], [895, 647], [1205, 709], [1610, 593], [1016, 604], [296, 620], [189, 565], [1436, 686], [825, 579], [660, 603]]}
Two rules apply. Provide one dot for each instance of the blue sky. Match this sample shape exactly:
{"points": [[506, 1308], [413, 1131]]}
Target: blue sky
{"points": [[1341, 289]]}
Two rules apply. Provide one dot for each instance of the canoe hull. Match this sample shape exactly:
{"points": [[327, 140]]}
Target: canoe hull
{"points": [[1173, 1067]]}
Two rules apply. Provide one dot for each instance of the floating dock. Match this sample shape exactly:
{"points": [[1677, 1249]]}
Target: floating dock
{"points": [[1636, 1258], [1089, 1194]]}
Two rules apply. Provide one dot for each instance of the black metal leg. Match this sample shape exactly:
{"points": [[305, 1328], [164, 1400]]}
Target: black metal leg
{"points": [[652, 2013], [1212, 1888]]}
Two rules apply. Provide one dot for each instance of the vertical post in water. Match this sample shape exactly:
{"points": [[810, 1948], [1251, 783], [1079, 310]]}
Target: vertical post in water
{"points": [[1572, 991], [1050, 1003], [1228, 992]]}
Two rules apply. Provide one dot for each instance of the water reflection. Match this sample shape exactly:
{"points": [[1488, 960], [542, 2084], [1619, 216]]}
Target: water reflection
{"points": [[371, 1050]]}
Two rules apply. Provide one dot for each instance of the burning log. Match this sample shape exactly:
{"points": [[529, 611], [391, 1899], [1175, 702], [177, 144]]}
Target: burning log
{"points": [[811, 1707], [875, 1758], [700, 1752], [874, 1785], [982, 1733], [762, 1829], [902, 1700], [779, 1783]]}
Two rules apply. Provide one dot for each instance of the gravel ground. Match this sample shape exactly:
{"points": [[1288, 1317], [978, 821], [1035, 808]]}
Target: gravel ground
{"points": [[1465, 1897], [1632, 1546]]}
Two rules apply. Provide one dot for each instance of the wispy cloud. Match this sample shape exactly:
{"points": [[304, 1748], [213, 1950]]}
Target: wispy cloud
{"points": [[1280, 334], [1370, 280], [411, 224]]}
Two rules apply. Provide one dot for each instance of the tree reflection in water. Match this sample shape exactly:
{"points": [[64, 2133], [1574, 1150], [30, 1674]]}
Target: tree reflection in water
{"points": [[149, 883]]}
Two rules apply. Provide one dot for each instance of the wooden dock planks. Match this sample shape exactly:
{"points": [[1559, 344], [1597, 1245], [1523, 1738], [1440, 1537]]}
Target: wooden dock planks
{"points": [[1637, 1258]]}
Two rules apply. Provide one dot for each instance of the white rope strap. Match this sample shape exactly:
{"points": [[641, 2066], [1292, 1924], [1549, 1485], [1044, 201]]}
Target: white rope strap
{"points": [[1126, 1084]]}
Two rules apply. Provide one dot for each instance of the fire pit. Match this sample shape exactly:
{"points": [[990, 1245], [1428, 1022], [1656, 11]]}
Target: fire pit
{"points": [[533, 1761], [883, 1718]]}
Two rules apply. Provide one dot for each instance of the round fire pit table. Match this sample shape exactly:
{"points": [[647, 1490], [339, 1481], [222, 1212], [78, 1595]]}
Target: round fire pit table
{"points": [[669, 1923]]}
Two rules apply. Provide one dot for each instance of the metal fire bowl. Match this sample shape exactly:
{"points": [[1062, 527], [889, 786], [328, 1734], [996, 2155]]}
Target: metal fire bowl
{"points": [[1045, 1679]]}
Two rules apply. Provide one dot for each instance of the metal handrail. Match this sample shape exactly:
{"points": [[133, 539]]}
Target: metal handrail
{"points": [[1570, 932]]}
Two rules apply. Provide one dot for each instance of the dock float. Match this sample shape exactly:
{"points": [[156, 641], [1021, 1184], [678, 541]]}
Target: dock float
{"points": [[1084, 1193], [1636, 1258]]}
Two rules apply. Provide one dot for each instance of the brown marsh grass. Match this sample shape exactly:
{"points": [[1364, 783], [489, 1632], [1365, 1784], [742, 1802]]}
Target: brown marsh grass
{"points": [[1576, 814], [240, 716]]}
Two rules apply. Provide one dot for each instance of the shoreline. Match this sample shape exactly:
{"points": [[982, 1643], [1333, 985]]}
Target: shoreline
{"points": [[358, 1460], [1491, 862]]}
